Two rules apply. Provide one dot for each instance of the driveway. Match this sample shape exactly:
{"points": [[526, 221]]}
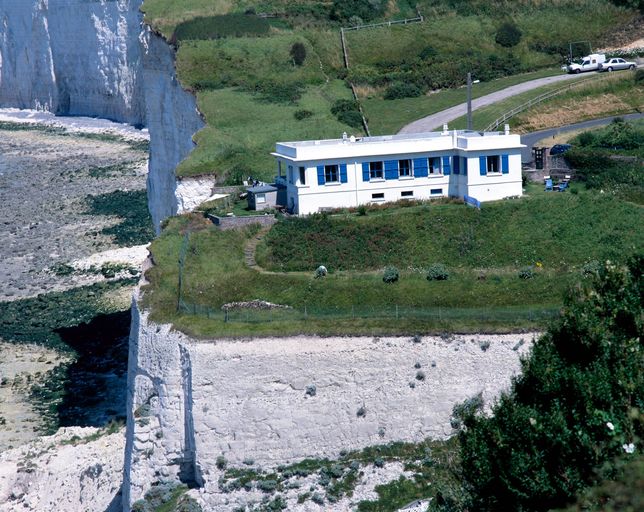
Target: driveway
{"points": [[429, 123]]}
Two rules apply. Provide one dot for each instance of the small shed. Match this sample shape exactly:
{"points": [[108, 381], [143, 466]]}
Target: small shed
{"points": [[262, 197]]}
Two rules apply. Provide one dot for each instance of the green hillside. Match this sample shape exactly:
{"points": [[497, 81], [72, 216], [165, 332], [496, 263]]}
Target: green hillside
{"points": [[238, 58]]}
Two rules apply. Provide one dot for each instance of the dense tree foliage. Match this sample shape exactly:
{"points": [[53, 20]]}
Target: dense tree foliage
{"points": [[576, 406]]}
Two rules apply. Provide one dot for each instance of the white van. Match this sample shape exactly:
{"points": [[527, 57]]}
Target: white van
{"points": [[590, 62]]}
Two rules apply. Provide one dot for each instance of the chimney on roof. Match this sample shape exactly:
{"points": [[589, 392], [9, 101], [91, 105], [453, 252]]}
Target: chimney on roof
{"points": [[445, 130], [352, 138], [344, 137], [507, 129]]}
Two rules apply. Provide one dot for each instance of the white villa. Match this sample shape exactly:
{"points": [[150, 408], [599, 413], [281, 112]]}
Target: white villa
{"points": [[347, 172]]}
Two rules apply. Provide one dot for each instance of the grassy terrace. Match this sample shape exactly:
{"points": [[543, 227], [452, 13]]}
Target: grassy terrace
{"points": [[553, 234]]}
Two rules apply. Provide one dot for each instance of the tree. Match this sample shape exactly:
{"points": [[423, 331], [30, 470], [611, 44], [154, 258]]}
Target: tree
{"points": [[577, 406], [508, 35], [298, 53]]}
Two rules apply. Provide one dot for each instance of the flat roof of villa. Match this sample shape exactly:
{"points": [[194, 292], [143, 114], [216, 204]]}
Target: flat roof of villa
{"points": [[408, 137], [466, 140]]}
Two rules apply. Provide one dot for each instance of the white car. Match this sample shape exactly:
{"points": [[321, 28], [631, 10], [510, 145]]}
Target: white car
{"points": [[616, 63]]}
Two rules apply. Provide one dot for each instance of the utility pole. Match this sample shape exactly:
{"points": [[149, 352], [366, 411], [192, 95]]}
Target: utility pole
{"points": [[469, 101]]}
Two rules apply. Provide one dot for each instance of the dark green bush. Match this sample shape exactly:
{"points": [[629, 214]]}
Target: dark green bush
{"points": [[352, 118], [298, 53], [527, 273], [639, 76], [279, 92], [390, 275], [344, 106], [437, 272], [216, 27], [508, 35], [302, 114], [366, 10], [577, 402], [402, 90]]}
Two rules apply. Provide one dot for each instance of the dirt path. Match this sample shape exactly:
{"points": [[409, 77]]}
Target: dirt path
{"points": [[250, 249]]}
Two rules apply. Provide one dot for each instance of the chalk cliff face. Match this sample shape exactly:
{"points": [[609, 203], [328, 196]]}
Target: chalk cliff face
{"points": [[94, 58], [191, 401]]}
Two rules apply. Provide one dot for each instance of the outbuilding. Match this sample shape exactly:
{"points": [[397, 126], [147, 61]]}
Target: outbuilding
{"points": [[262, 197]]}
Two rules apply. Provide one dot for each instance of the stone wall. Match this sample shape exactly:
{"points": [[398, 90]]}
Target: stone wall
{"points": [[239, 222], [247, 399]]}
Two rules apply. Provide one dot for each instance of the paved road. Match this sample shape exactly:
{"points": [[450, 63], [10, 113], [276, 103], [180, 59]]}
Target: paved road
{"points": [[529, 139], [429, 123]]}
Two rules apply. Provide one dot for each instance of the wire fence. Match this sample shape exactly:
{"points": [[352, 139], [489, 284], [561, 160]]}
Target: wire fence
{"points": [[358, 311]]}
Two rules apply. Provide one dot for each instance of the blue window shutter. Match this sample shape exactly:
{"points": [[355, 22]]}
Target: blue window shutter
{"points": [[391, 169], [483, 165], [365, 171], [465, 166], [321, 175], [420, 167], [457, 165], [447, 169], [343, 173], [505, 168]]}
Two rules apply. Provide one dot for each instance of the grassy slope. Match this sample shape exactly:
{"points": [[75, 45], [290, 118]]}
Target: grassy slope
{"points": [[234, 143], [561, 231]]}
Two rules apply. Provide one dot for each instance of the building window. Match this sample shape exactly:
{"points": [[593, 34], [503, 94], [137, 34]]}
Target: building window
{"points": [[291, 174], [407, 193], [376, 171], [436, 191], [302, 176], [404, 168], [378, 196], [331, 173], [434, 166], [260, 198], [493, 164]]}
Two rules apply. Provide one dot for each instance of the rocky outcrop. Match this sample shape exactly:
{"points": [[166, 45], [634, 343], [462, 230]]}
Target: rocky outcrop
{"points": [[192, 402], [74, 57], [77, 469]]}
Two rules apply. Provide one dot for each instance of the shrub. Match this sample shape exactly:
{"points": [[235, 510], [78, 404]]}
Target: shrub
{"points": [[363, 9], [639, 76], [220, 462], [361, 412], [311, 390], [321, 271], [298, 53], [484, 345], [508, 35], [351, 118], [437, 272], [267, 486], [215, 27], [279, 92], [390, 275], [302, 114], [527, 273], [402, 90], [343, 106], [362, 210], [420, 375], [573, 408], [591, 268]]}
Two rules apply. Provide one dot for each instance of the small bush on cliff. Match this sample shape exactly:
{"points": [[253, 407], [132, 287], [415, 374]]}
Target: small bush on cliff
{"points": [[576, 406], [508, 35], [390, 275]]}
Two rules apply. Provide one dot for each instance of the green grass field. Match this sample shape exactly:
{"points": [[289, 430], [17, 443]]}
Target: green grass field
{"points": [[554, 234]]}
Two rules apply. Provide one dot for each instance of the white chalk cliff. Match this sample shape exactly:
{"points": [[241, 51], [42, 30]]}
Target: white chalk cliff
{"points": [[76, 57]]}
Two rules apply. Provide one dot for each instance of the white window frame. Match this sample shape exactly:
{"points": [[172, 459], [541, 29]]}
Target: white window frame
{"points": [[373, 172], [410, 170], [497, 163], [328, 169], [431, 169], [260, 198]]}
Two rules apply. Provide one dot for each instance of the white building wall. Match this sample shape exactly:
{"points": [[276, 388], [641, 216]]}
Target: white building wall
{"points": [[311, 197]]}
